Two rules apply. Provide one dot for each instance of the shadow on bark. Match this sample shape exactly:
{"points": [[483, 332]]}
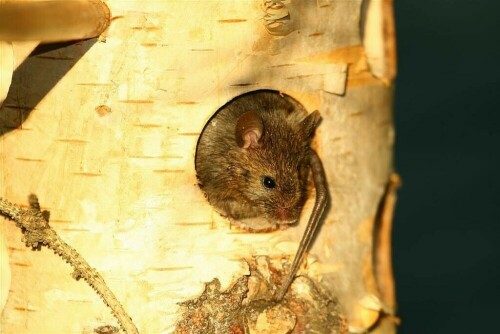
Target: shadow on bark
{"points": [[36, 77]]}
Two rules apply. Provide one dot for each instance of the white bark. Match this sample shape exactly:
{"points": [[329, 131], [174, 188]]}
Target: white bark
{"points": [[110, 152]]}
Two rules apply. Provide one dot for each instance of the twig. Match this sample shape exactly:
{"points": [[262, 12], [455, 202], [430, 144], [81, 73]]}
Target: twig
{"points": [[37, 232]]}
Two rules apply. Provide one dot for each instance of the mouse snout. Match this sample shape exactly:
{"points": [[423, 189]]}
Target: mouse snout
{"points": [[282, 212], [286, 215]]}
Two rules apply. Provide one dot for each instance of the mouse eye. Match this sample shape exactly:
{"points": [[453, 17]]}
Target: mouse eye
{"points": [[268, 182]]}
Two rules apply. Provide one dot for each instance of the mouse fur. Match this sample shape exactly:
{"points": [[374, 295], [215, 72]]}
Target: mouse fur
{"points": [[232, 177]]}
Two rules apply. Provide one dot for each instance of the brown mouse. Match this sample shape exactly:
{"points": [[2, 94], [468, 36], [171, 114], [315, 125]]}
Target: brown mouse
{"points": [[253, 160]]}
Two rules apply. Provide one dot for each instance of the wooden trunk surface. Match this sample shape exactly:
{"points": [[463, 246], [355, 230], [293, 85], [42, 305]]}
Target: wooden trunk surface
{"points": [[105, 134]]}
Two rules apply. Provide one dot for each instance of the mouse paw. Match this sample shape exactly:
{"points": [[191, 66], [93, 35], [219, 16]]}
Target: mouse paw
{"points": [[257, 224]]}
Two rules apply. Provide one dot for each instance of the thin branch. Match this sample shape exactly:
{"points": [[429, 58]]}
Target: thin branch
{"points": [[37, 232]]}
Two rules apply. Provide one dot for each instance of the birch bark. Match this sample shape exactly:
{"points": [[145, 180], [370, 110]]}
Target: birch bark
{"points": [[105, 134]]}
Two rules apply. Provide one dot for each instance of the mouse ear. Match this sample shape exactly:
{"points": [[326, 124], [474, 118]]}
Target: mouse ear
{"points": [[249, 130], [310, 123]]}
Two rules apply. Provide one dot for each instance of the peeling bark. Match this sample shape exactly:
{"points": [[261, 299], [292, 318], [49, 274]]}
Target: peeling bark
{"points": [[250, 307]]}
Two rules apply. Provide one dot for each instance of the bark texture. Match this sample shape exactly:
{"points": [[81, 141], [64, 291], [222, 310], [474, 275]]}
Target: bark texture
{"points": [[105, 134]]}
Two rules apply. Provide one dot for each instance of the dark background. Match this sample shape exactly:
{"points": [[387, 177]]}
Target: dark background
{"points": [[447, 227]]}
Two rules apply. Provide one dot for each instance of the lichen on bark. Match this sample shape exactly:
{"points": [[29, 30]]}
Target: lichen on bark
{"points": [[249, 307]]}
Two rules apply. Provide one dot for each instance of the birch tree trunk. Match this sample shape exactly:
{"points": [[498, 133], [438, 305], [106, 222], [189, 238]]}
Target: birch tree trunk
{"points": [[105, 134]]}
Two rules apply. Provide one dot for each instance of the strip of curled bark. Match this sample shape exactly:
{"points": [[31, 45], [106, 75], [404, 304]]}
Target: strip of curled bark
{"points": [[37, 232]]}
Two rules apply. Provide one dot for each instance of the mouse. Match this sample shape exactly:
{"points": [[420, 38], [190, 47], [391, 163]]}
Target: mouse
{"points": [[253, 162]]}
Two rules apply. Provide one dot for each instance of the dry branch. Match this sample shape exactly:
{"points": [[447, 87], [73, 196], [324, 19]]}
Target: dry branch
{"points": [[37, 232]]}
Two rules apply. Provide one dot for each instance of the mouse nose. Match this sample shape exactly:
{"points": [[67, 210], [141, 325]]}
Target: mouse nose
{"points": [[282, 213], [286, 214]]}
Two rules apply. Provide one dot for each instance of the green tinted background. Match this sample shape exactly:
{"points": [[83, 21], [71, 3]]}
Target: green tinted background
{"points": [[447, 228]]}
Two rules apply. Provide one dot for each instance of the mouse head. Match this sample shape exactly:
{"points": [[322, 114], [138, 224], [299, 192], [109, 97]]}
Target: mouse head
{"points": [[273, 164]]}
